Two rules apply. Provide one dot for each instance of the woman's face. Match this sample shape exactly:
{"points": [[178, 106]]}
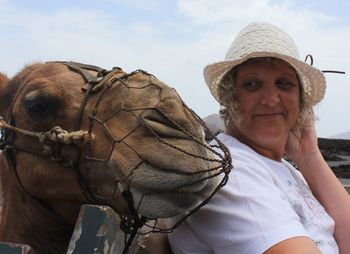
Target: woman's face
{"points": [[268, 96]]}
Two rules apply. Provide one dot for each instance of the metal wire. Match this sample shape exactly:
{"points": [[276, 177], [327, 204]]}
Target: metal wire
{"points": [[309, 56]]}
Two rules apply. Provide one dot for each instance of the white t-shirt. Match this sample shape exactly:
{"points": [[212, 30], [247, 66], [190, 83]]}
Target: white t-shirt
{"points": [[263, 203]]}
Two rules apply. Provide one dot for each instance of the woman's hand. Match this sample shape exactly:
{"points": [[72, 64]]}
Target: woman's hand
{"points": [[303, 145]]}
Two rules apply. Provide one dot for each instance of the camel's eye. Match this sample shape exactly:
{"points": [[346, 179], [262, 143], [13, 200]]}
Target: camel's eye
{"points": [[40, 106]]}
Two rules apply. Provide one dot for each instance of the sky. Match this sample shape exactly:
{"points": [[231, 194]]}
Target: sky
{"points": [[175, 40]]}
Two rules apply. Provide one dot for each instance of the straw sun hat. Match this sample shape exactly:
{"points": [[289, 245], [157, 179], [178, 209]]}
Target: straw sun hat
{"points": [[266, 40]]}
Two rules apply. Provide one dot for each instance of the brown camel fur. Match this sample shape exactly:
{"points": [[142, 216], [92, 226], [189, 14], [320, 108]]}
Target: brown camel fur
{"points": [[135, 134]]}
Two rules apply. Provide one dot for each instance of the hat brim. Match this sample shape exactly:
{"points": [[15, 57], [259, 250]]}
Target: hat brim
{"points": [[312, 79]]}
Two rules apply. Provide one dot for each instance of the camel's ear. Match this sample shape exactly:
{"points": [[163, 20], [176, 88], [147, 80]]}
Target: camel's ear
{"points": [[4, 82]]}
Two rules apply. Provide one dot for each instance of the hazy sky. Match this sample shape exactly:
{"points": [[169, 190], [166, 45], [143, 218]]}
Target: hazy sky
{"points": [[174, 40]]}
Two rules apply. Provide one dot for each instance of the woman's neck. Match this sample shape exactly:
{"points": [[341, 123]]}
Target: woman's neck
{"points": [[272, 150]]}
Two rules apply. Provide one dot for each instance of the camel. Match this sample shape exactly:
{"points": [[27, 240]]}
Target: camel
{"points": [[75, 134]]}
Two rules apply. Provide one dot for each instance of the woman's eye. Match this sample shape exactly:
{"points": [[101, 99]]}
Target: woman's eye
{"points": [[252, 85], [284, 83]]}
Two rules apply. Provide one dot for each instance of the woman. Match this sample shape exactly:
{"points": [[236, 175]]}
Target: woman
{"points": [[268, 206]]}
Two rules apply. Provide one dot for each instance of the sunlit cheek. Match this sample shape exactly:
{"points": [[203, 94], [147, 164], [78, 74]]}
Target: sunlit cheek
{"points": [[294, 107]]}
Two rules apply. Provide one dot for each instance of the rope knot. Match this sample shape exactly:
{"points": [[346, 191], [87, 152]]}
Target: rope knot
{"points": [[57, 134]]}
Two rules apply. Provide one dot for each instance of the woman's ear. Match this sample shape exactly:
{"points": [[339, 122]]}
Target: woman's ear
{"points": [[4, 82]]}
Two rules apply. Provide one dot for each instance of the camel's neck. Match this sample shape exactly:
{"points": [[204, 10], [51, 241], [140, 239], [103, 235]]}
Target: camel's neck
{"points": [[26, 220]]}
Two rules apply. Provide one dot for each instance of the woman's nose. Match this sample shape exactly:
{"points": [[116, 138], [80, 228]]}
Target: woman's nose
{"points": [[270, 96]]}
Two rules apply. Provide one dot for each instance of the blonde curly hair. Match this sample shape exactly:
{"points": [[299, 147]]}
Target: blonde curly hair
{"points": [[228, 94]]}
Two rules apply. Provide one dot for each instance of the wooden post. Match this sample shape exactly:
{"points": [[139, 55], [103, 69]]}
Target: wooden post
{"points": [[95, 231]]}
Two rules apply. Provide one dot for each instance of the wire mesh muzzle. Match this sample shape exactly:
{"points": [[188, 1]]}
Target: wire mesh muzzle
{"points": [[121, 132], [120, 104]]}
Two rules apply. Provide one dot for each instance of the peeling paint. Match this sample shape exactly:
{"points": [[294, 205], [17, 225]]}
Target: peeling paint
{"points": [[76, 233]]}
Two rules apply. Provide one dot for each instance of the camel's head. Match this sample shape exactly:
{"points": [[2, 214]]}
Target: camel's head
{"points": [[136, 145]]}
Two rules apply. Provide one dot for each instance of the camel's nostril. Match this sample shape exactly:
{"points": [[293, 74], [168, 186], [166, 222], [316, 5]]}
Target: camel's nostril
{"points": [[170, 128]]}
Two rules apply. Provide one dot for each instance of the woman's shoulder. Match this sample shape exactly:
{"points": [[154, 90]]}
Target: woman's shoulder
{"points": [[244, 157]]}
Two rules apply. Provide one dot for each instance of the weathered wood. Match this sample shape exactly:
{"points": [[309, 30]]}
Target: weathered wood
{"points": [[96, 231]]}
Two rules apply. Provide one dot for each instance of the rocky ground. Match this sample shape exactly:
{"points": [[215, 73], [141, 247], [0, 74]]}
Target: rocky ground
{"points": [[337, 154]]}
